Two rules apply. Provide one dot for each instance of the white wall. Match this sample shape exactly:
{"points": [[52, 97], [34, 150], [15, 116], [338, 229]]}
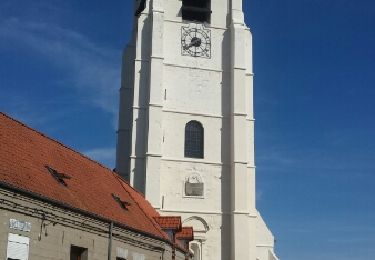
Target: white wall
{"points": [[169, 90]]}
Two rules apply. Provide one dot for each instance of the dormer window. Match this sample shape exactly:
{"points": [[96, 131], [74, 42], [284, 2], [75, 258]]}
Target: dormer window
{"points": [[196, 10], [58, 176], [123, 204]]}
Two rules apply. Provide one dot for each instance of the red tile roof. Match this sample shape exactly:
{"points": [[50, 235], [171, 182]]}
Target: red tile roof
{"points": [[24, 156], [169, 222], [186, 233]]}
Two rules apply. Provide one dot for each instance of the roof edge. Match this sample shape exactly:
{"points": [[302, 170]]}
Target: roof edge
{"points": [[153, 222], [53, 140], [37, 196]]}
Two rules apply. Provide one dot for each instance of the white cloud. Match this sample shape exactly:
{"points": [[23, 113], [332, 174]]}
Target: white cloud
{"points": [[91, 70]]}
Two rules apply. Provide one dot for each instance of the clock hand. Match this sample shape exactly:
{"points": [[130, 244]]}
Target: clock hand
{"points": [[194, 42], [187, 46]]}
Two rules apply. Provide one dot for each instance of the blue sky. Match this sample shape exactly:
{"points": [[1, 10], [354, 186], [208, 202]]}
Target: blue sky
{"points": [[314, 64]]}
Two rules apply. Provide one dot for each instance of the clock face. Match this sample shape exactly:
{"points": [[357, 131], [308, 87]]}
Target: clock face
{"points": [[196, 41]]}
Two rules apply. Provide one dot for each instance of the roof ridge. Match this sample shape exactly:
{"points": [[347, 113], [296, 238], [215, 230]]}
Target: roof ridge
{"points": [[168, 216], [131, 187], [143, 211], [122, 179], [54, 140]]}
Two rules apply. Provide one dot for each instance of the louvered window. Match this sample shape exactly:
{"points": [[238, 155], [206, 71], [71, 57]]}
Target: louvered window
{"points": [[196, 10]]}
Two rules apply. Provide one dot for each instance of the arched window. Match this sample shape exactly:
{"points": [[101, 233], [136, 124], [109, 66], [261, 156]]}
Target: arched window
{"points": [[194, 140]]}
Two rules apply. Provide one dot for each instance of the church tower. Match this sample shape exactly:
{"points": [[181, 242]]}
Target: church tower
{"points": [[186, 125]]}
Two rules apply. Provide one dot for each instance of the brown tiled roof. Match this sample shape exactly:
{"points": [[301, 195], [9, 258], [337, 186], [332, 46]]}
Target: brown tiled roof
{"points": [[24, 156], [186, 233], [169, 222]]}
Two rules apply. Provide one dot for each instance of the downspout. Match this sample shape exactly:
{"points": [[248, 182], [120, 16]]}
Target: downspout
{"points": [[41, 227], [174, 246], [110, 241], [187, 251]]}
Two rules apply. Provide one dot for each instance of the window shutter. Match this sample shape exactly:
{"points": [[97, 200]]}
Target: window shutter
{"points": [[18, 250]]}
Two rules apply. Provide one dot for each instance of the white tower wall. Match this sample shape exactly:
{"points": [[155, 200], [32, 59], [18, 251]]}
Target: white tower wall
{"points": [[162, 90]]}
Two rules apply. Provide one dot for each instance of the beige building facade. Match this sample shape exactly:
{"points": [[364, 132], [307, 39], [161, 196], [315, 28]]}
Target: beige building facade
{"points": [[33, 229]]}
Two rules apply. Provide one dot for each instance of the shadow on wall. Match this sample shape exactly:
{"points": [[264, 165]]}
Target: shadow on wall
{"points": [[226, 145], [141, 135]]}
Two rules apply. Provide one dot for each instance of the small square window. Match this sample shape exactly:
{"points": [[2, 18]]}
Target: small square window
{"points": [[78, 253]]}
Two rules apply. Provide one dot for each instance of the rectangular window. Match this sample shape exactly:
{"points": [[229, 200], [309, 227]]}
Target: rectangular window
{"points": [[78, 253], [122, 253], [18, 247], [137, 256]]}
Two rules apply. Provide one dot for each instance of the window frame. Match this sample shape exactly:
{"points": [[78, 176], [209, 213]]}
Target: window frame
{"points": [[14, 243], [78, 253], [194, 148]]}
